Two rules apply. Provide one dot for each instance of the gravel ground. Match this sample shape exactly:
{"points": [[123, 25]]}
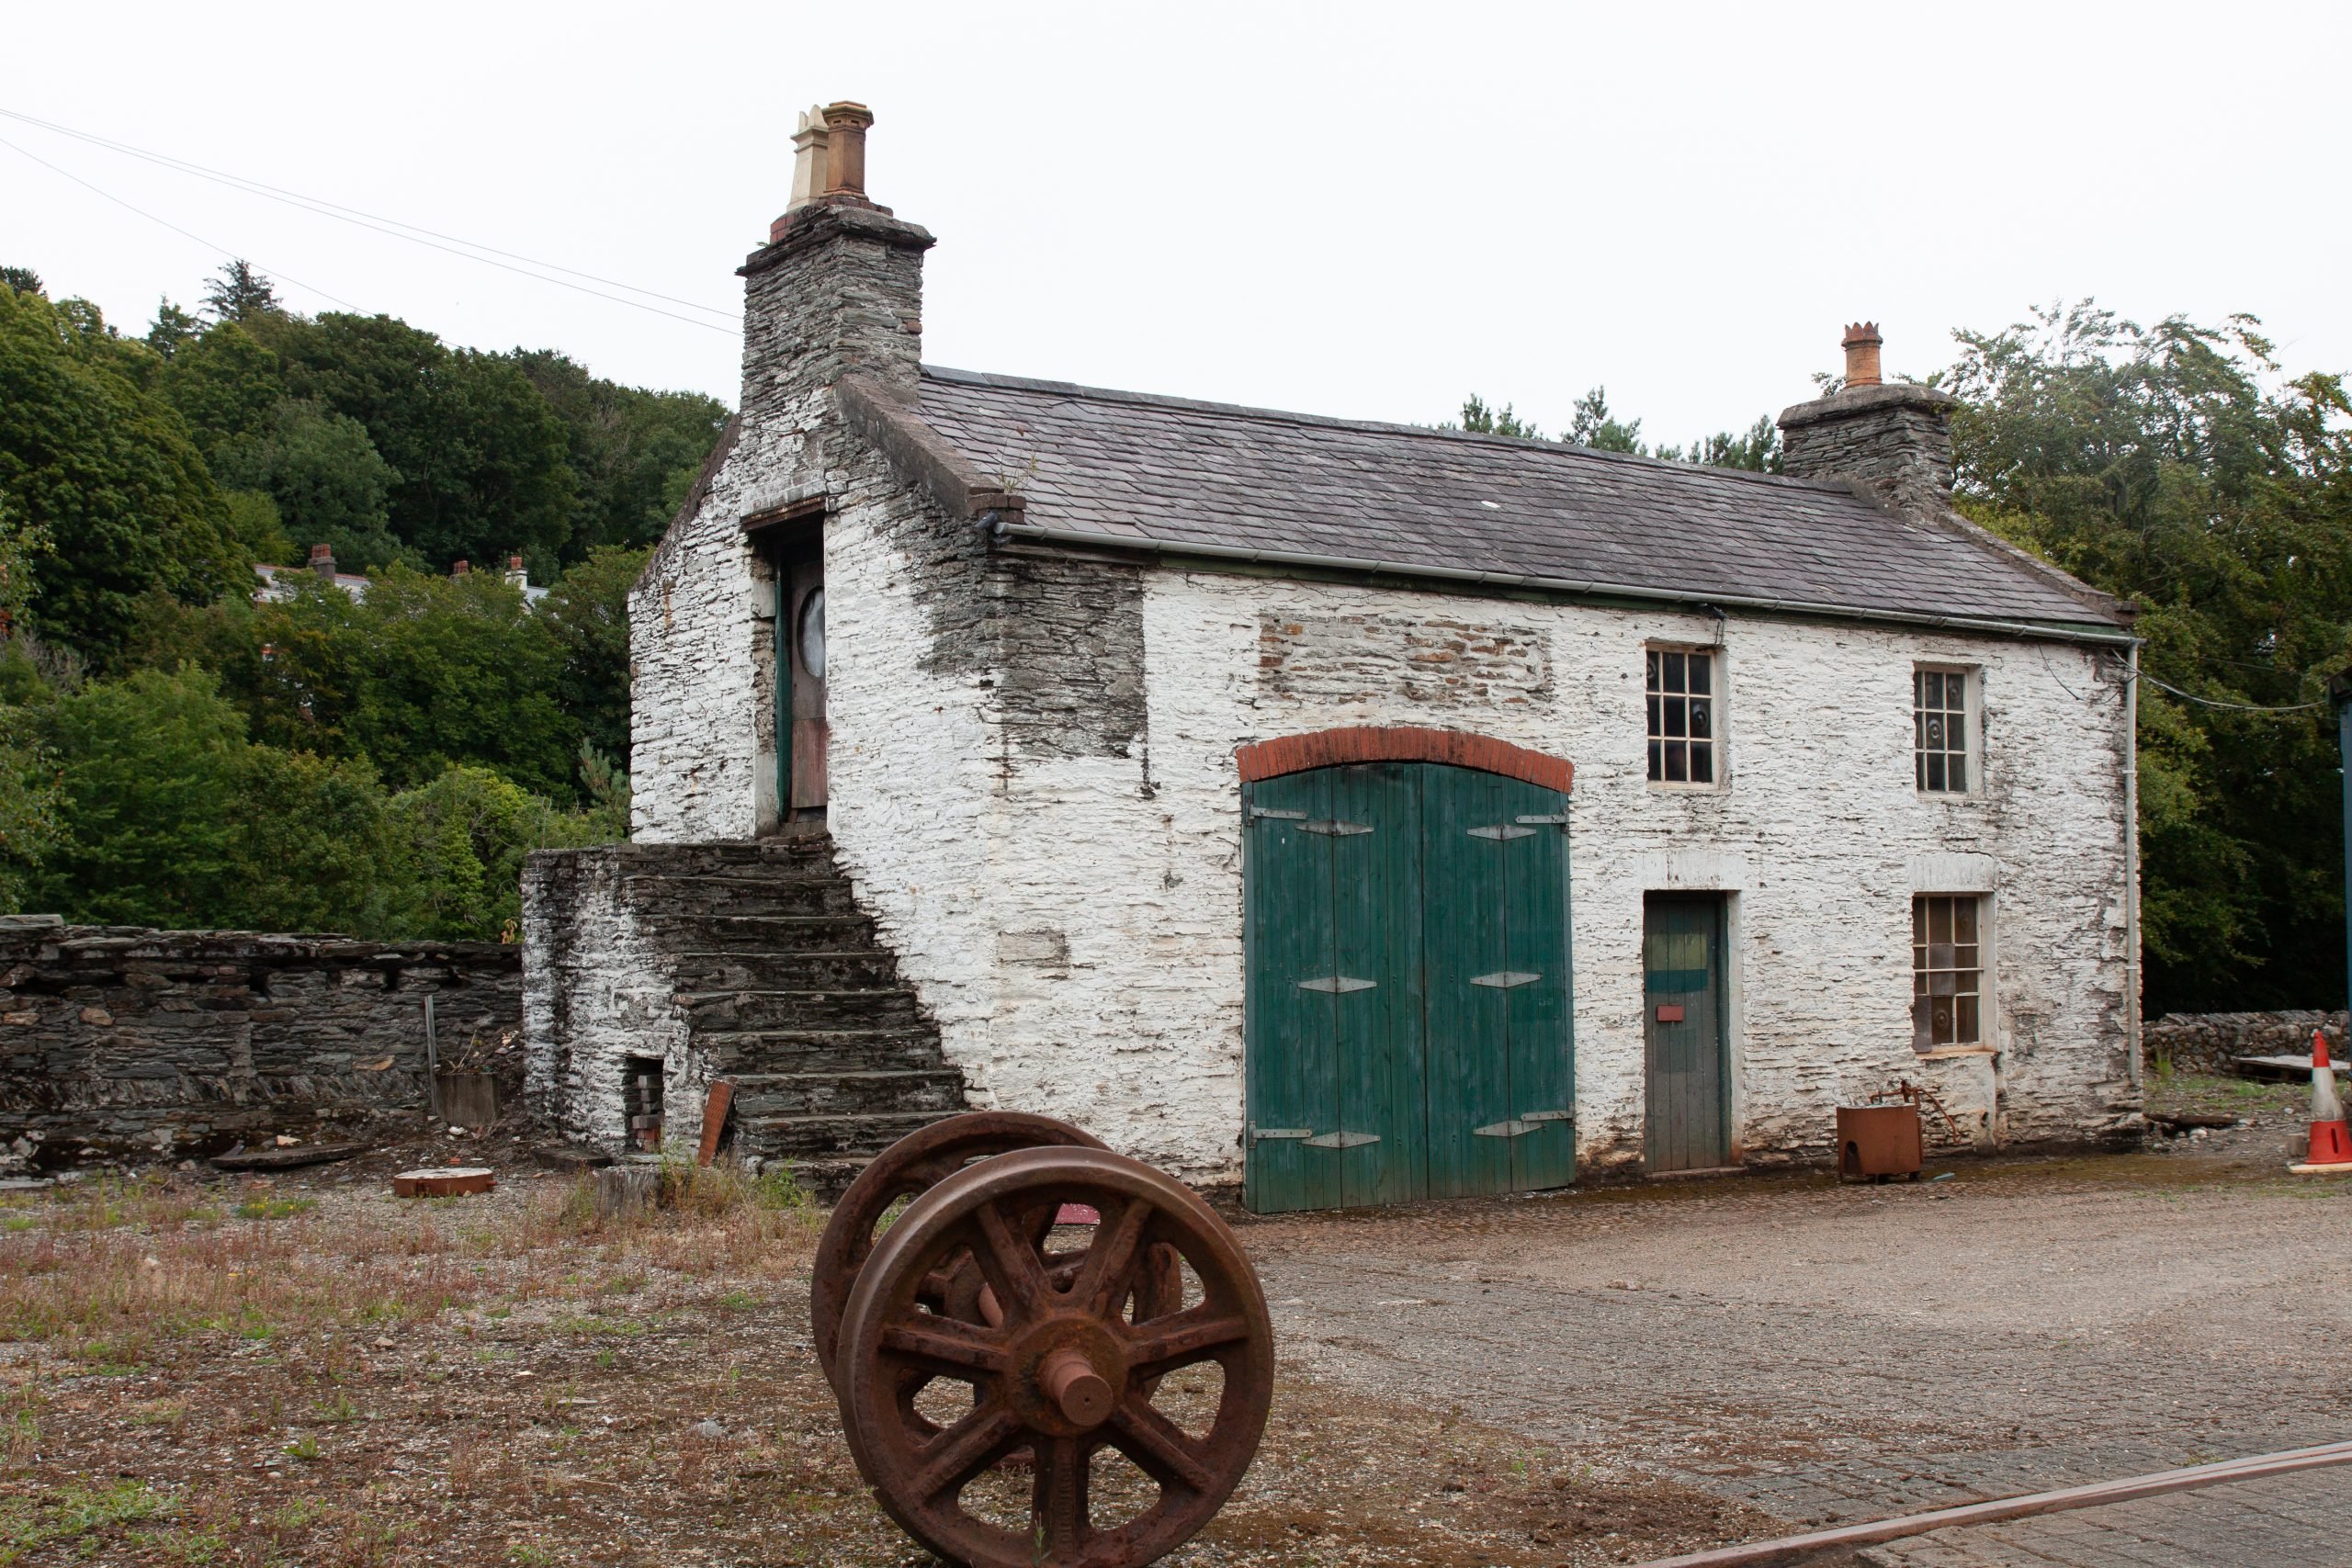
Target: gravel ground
{"points": [[1826, 1353]]}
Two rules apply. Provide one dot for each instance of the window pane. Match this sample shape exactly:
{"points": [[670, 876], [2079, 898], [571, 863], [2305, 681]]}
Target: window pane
{"points": [[1674, 676], [1676, 716], [1653, 671], [1934, 764], [1956, 774], [1703, 763], [1935, 726], [1656, 768], [1940, 1030], [1678, 769], [1964, 919], [1919, 921], [1699, 720], [1939, 925], [1654, 729], [1923, 1025], [1701, 671], [1964, 1029], [1964, 958], [1932, 689]]}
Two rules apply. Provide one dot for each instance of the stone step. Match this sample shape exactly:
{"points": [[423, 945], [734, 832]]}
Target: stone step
{"points": [[853, 970], [734, 1051], [828, 1137], [906, 1090], [761, 933], [814, 892], [707, 859], [876, 1008]]}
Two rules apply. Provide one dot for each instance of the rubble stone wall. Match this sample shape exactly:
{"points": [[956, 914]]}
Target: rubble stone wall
{"points": [[2205, 1041], [117, 1042]]}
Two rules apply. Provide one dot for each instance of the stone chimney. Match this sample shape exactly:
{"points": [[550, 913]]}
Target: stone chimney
{"points": [[516, 575], [1892, 440], [839, 285], [461, 568], [323, 560]]}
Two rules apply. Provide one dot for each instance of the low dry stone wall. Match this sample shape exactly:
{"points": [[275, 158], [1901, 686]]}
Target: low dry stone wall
{"points": [[123, 1043], [2204, 1042]]}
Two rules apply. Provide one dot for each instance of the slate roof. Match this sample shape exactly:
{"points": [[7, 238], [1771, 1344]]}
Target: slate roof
{"points": [[1178, 473]]}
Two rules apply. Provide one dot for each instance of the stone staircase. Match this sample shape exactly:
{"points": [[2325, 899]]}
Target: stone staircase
{"points": [[785, 990]]}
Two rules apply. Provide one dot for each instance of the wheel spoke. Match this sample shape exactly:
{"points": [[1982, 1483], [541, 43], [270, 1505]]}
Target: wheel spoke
{"points": [[957, 1454], [1057, 1500], [1010, 1263], [1108, 1261], [1165, 1344], [1158, 1447], [945, 1346]]}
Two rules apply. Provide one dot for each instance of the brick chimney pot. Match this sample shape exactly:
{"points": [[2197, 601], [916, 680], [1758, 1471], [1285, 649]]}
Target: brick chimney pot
{"points": [[845, 125], [1862, 345]]}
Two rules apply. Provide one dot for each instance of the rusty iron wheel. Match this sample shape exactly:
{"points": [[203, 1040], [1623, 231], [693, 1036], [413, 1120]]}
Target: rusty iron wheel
{"points": [[1063, 1373], [908, 1169]]}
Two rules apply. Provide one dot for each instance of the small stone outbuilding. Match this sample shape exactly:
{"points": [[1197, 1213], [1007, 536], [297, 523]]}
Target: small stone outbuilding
{"points": [[1361, 811]]}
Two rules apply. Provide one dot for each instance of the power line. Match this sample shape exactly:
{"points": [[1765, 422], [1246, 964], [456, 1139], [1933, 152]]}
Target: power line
{"points": [[2235, 707], [413, 233], [221, 250]]}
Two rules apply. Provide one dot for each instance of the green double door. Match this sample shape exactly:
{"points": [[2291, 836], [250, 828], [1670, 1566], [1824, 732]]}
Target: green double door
{"points": [[1410, 1021]]}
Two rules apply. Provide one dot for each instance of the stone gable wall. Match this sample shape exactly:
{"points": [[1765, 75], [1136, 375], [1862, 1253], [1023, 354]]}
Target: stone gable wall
{"points": [[126, 1042]]}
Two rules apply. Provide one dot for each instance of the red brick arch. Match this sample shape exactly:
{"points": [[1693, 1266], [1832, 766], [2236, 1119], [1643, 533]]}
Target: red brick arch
{"points": [[1401, 743]]}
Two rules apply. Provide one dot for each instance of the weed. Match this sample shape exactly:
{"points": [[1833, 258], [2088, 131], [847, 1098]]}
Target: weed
{"points": [[336, 1410], [72, 1512], [304, 1447], [275, 1208]]}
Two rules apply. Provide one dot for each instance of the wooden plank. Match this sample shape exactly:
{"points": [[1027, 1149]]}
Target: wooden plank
{"points": [[714, 1119], [1464, 937], [1376, 897], [1540, 1011]]}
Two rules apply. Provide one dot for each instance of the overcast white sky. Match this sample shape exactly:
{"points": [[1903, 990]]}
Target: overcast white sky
{"points": [[1364, 210]]}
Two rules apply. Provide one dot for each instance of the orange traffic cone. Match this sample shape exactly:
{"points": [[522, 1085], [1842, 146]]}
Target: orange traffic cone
{"points": [[2331, 1151]]}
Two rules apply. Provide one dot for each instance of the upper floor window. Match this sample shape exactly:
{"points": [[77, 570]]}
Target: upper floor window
{"points": [[1684, 710], [1940, 720]]}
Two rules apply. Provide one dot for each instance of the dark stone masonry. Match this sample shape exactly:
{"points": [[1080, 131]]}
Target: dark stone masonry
{"points": [[119, 1042], [2205, 1041]]}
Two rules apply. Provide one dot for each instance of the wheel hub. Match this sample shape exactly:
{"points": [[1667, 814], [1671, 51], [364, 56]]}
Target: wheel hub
{"points": [[1068, 1372]]}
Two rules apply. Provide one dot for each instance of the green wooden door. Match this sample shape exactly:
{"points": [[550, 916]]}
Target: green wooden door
{"points": [[1689, 1124], [1409, 1020]]}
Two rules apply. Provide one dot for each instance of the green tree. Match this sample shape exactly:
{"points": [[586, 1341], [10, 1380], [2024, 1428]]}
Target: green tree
{"points": [[20, 280], [239, 292], [634, 452], [171, 328], [480, 462], [421, 673], [1591, 425], [463, 837], [1479, 419], [2152, 462], [108, 472], [586, 612], [225, 384], [330, 484]]}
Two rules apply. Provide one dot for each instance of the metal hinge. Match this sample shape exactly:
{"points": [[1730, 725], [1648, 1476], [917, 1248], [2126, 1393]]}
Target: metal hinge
{"points": [[1342, 1140], [1517, 1127], [1261, 1134], [1333, 829], [1557, 820], [1504, 979], [1506, 831], [1568, 1115], [1258, 811], [1336, 983]]}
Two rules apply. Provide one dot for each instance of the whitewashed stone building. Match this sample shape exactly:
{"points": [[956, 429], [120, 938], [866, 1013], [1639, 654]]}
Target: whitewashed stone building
{"points": [[1361, 810]]}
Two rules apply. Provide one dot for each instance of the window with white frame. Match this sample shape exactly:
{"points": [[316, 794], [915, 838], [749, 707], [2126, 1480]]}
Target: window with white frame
{"points": [[1685, 716], [1946, 970], [1939, 723]]}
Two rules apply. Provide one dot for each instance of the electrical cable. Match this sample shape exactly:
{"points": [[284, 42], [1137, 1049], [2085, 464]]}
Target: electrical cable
{"points": [[2217, 702], [221, 250], [392, 227]]}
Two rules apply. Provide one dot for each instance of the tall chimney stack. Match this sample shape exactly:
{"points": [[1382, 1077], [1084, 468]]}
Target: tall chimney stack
{"points": [[1890, 440], [837, 288], [323, 560]]}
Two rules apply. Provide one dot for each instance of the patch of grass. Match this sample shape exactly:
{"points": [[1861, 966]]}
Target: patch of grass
{"points": [[75, 1513], [739, 1301], [304, 1447], [275, 1208], [335, 1411]]}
